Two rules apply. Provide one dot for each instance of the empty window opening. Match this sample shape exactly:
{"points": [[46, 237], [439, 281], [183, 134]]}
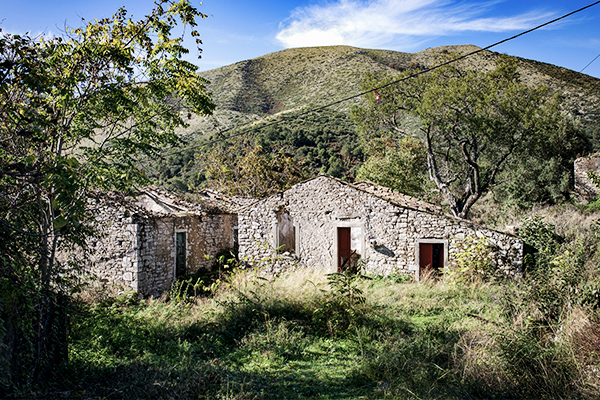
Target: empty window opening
{"points": [[431, 258], [286, 232], [180, 254], [347, 259]]}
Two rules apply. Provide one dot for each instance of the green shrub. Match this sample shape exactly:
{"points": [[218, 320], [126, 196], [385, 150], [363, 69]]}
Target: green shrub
{"points": [[342, 306], [395, 278], [474, 262], [541, 242]]}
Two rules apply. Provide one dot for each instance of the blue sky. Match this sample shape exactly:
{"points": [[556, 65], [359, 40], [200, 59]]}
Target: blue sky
{"points": [[239, 30]]}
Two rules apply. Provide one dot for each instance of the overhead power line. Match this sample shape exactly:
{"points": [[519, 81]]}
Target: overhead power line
{"points": [[591, 90], [316, 109], [588, 64]]}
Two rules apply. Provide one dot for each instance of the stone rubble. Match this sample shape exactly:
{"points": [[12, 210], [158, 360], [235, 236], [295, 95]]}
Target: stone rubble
{"points": [[585, 190]]}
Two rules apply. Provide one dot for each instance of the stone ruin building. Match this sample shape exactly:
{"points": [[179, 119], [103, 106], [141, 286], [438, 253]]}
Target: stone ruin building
{"points": [[330, 224], [585, 190], [145, 243]]}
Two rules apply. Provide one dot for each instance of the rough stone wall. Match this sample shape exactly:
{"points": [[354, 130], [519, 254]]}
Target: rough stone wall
{"points": [[138, 252], [114, 251], [385, 235], [584, 188], [206, 234]]}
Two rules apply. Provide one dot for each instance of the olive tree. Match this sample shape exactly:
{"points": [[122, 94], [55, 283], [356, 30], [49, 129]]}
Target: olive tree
{"points": [[473, 125]]}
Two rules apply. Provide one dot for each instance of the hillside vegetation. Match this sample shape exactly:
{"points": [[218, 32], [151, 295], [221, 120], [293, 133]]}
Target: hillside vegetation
{"points": [[278, 85], [295, 78]]}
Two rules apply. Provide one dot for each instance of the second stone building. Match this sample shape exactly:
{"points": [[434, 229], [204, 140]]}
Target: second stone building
{"points": [[330, 224]]}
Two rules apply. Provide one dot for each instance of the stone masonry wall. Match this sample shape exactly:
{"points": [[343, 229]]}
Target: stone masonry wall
{"points": [[114, 251], [584, 188], [385, 235], [207, 234], [137, 252]]}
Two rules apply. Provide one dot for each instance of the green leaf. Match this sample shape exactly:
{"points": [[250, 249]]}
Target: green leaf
{"points": [[59, 222]]}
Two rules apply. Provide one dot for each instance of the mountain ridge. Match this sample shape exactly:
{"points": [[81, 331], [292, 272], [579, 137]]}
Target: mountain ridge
{"points": [[301, 78], [252, 92]]}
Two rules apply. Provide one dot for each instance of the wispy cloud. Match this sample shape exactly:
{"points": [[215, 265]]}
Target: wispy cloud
{"points": [[377, 22]]}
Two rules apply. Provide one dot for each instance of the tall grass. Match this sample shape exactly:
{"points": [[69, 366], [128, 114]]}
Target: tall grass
{"points": [[304, 334], [546, 343], [264, 338]]}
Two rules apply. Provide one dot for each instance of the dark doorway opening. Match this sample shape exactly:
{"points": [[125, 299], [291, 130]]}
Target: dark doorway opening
{"points": [[431, 258], [286, 232], [180, 254]]}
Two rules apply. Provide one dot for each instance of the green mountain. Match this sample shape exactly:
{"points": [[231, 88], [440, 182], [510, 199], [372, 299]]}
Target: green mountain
{"points": [[257, 91], [297, 78]]}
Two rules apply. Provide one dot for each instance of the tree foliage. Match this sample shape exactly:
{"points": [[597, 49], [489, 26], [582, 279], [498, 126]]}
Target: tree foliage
{"points": [[76, 114], [473, 125], [542, 171], [401, 166], [320, 142], [281, 155], [246, 170], [323, 142]]}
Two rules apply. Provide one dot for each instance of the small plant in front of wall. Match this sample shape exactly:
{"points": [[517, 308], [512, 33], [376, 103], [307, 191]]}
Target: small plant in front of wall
{"points": [[184, 290], [474, 262], [394, 277], [224, 261], [400, 278], [204, 282], [342, 306], [274, 260]]}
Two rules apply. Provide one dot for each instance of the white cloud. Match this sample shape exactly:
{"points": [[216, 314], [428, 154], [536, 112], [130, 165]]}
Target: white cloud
{"points": [[373, 23]]}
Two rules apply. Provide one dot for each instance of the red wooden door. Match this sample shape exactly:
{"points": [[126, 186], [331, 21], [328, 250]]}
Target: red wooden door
{"points": [[425, 256], [431, 257], [344, 251]]}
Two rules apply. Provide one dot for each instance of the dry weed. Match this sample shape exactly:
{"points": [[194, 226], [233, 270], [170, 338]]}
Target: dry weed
{"points": [[299, 284], [581, 330], [475, 358], [94, 291]]}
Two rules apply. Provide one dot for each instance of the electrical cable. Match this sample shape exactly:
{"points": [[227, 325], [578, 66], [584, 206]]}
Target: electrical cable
{"points": [[316, 109], [588, 64]]}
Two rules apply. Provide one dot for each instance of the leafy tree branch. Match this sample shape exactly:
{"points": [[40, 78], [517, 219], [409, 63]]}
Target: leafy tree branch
{"points": [[76, 113], [473, 126]]}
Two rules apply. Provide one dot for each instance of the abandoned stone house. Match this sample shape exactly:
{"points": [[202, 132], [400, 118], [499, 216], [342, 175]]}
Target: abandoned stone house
{"points": [[145, 243], [330, 224]]}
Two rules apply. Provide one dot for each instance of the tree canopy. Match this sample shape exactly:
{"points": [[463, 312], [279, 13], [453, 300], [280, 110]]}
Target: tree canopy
{"points": [[473, 125], [399, 166], [77, 112], [242, 169], [326, 141]]}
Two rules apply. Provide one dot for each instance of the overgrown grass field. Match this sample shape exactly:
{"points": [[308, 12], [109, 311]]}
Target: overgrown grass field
{"points": [[295, 336], [304, 334]]}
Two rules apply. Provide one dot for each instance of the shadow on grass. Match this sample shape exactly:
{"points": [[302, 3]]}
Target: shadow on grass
{"points": [[254, 351], [203, 380]]}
